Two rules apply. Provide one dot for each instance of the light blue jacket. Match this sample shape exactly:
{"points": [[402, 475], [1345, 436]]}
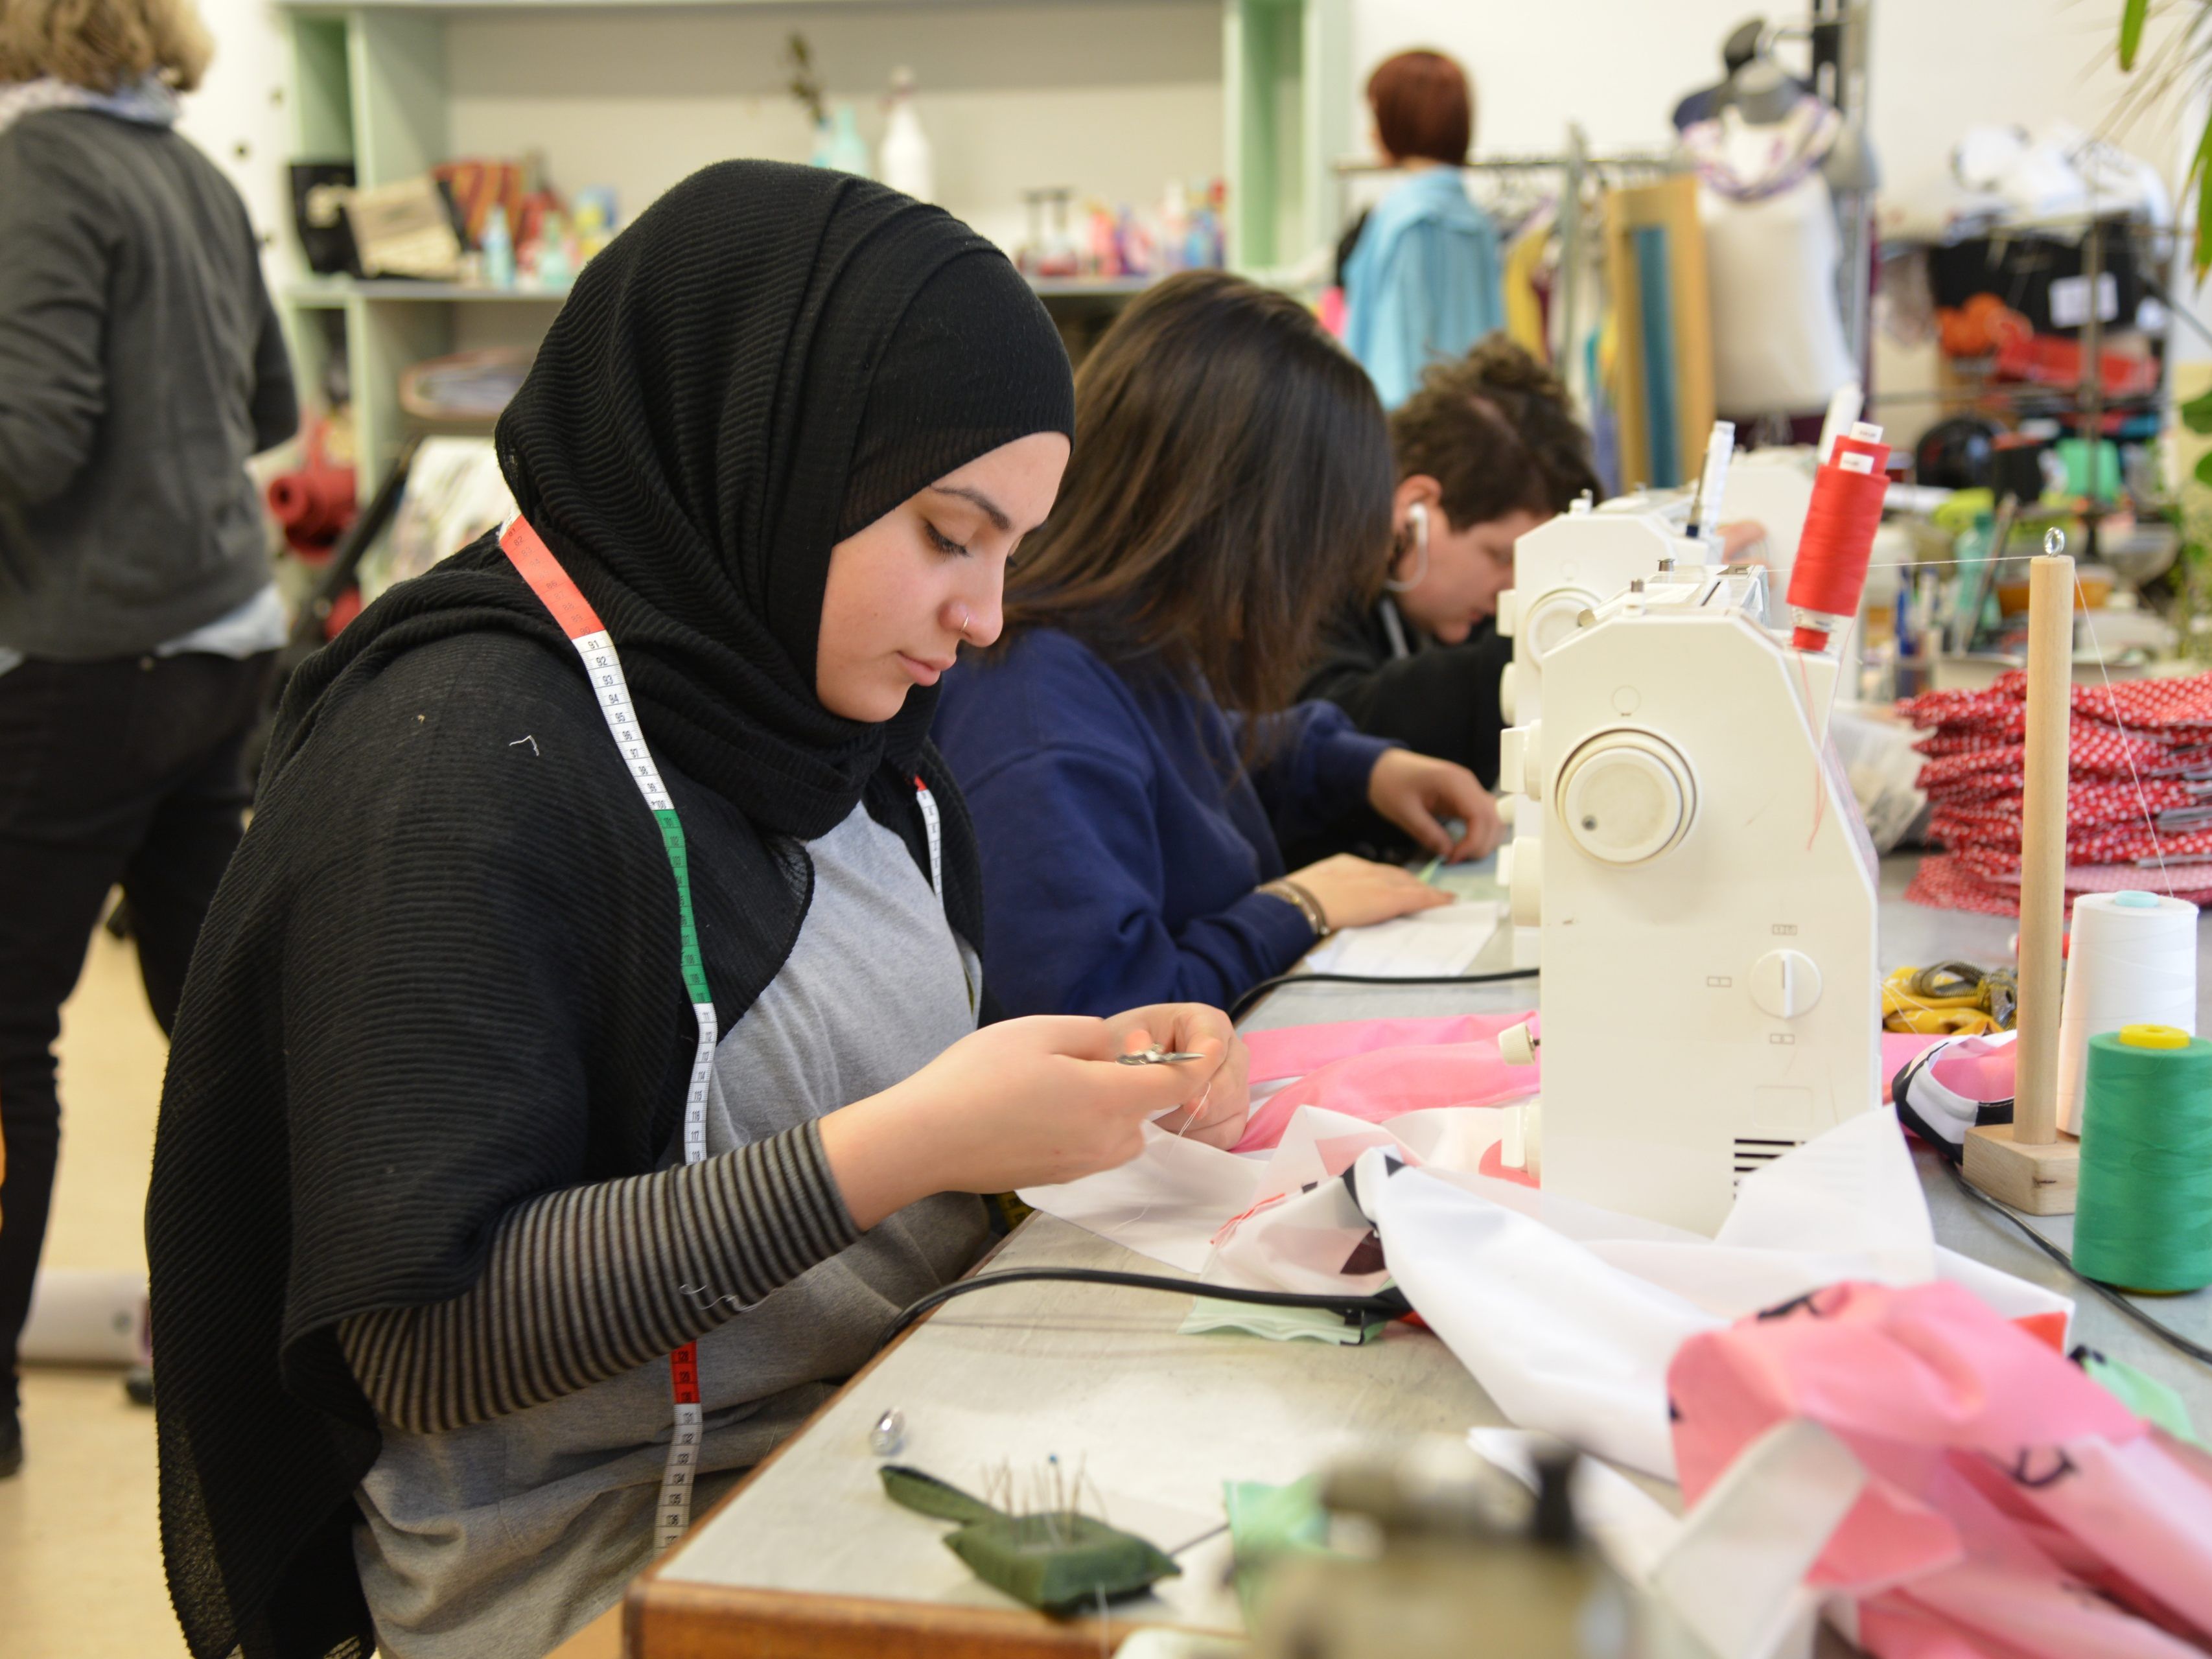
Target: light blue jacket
{"points": [[1422, 283]]}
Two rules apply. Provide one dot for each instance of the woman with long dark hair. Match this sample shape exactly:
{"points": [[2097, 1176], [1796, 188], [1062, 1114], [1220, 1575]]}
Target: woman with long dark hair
{"points": [[581, 1065], [1131, 747]]}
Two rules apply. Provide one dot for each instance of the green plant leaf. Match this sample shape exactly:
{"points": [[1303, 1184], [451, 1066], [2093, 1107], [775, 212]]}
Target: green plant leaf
{"points": [[2201, 258], [2132, 27], [2204, 468], [2197, 413]]}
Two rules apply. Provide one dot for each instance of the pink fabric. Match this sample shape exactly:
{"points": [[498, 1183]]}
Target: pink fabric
{"points": [[1976, 1068], [1899, 1050], [2013, 1507], [1377, 1069]]}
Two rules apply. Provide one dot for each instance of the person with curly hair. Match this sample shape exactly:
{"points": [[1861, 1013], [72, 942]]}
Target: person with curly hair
{"points": [[1484, 451]]}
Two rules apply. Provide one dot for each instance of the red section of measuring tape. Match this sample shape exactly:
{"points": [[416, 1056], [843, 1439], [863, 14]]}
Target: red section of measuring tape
{"points": [[683, 1374], [528, 553], [1831, 569]]}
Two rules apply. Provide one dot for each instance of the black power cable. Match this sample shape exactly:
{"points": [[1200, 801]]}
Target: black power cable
{"points": [[1243, 1004], [2158, 1328], [1389, 1304]]}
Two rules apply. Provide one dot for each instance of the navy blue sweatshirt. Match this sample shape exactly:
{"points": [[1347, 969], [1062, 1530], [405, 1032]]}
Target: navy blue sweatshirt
{"points": [[1121, 839]]}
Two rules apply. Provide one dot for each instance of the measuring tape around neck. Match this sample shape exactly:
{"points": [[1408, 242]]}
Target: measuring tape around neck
{"points": [[573, 613]]}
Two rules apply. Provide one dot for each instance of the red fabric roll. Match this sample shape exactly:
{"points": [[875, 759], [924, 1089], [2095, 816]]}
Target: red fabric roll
{"points": [[313, 504]]}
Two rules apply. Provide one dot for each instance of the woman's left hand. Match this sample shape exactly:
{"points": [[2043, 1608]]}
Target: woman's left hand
{"points": [[1220, 1088], [1417, 793]]}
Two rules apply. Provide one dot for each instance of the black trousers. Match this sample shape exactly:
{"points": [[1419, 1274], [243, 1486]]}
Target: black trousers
{"points": [[128, 771]]}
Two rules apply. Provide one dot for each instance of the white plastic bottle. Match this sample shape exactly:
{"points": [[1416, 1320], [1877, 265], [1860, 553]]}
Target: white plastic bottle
{"points": [[903, 160]]}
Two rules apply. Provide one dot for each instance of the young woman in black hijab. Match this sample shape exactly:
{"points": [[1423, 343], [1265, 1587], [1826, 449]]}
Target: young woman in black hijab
{"points": [[580, 1055]]}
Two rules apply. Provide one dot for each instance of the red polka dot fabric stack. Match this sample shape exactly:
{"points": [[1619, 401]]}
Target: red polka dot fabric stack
{"points": [[2138, 798]]}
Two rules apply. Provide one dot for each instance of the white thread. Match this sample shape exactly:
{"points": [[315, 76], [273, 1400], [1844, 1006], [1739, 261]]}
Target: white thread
{"points": [[2127, 965]]}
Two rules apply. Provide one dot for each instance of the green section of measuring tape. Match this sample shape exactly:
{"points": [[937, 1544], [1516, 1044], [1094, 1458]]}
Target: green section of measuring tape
{"points": [[2143, 1215], [679, 861]]}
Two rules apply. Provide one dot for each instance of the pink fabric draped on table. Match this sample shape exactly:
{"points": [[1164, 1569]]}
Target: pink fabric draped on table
{"points": [[1378, 1069]]}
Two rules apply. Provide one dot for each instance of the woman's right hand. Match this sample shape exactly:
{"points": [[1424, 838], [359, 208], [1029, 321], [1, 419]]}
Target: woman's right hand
{"points": [[1354, 892], [1025, 1103]]}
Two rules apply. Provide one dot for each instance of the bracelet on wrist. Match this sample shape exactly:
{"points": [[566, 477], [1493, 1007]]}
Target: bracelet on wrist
{"points": [[1303, 901]]}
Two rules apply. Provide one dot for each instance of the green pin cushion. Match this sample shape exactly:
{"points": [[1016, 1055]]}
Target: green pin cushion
{"points": [[1060, 1562]]}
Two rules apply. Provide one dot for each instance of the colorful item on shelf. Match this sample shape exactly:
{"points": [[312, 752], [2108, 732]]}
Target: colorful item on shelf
{"points": [[904, 159], [479, 187], [405, 229]]}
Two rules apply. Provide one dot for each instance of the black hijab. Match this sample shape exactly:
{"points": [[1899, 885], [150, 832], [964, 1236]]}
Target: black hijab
{"points": [[769, 360], [392, 1034]]}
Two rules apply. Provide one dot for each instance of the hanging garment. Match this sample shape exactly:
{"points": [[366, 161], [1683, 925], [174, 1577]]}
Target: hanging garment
{"points": [[1524, 299], [1771, 258], [1423, 284]]}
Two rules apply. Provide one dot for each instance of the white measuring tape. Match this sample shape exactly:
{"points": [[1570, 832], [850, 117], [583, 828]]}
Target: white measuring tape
{"points": [[574, 614], [576, 618]]}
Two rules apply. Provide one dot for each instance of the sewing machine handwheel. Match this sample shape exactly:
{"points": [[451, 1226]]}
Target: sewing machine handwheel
{"points": [[1626, 797]]}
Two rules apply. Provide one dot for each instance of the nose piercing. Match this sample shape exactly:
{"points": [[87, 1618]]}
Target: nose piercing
{"points": [[965, 620]]}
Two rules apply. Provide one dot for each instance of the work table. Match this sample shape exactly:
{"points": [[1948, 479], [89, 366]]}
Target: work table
{"points": [[808, 1557]]}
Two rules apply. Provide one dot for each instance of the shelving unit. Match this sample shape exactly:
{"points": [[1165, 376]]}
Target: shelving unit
{"points": [[1111, 97]]}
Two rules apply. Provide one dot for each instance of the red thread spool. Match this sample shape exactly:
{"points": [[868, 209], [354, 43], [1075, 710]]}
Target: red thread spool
{"points": [[1837, 539]]}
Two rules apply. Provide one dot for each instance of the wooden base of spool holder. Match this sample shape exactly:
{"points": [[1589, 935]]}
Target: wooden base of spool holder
{"points": [[2040, 1180]]}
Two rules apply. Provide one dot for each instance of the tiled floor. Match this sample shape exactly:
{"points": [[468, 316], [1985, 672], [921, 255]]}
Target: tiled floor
{"points": [[79, 1559]]}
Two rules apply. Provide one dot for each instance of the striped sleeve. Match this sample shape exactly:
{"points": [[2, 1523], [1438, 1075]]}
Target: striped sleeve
{"points": [[589, 1282]]}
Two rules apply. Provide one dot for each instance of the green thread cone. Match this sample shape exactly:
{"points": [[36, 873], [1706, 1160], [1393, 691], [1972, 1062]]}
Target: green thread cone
{"points": [[2143, 1217]]}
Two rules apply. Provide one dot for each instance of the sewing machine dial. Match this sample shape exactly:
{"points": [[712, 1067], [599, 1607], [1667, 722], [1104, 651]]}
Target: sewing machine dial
{"points": [[1626, 796], [1552, 617]]}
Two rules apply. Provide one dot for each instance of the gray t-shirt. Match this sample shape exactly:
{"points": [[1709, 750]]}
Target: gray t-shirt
{"points": [[497, 1541]]}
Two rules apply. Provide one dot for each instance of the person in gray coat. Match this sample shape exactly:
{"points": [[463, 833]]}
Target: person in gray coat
{"points": [[141, 364]]}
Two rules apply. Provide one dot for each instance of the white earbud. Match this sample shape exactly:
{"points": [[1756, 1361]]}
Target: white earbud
{"points": [[1417, 515]]}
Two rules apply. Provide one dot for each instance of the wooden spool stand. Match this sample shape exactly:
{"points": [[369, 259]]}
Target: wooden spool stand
{"points": [[2028, 1162]]}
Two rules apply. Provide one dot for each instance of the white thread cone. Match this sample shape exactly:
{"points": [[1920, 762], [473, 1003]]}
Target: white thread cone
{"points": [[2129, 964]]}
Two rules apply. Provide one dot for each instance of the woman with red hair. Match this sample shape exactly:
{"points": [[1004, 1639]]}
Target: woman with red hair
{"points": [[1422, 283]]}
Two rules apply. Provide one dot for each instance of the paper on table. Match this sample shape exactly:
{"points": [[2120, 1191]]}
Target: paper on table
{"points": [[1166, 1203], [1444, 940]]}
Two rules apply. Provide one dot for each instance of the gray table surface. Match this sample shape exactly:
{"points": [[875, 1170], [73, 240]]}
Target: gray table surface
{"points": [[1100, 1377], [1910, 934]]}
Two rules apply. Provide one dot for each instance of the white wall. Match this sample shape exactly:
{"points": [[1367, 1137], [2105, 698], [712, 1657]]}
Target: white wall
{"points": [[241, 116]]}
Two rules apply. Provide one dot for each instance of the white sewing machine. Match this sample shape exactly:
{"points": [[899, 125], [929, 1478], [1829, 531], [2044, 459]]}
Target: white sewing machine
{"points": [[1560, 570], [1706, 892], [1569, 564]]}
